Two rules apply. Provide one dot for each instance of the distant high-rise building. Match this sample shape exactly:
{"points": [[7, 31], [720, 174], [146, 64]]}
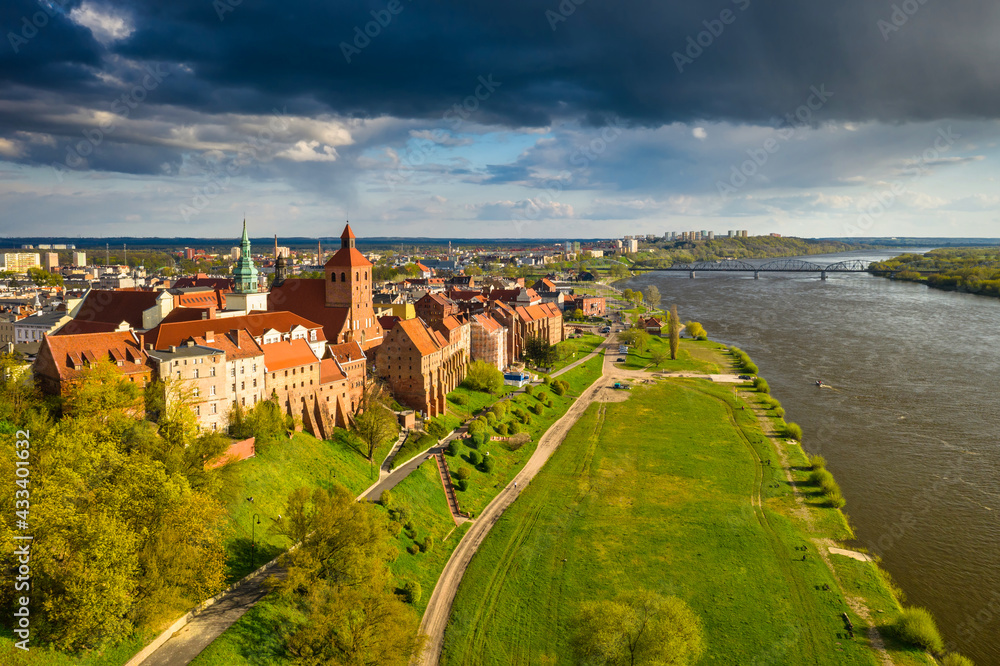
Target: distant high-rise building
{"points": [[744, 233], [234, 253], [79, 259], [732, 233], [711, 235], [51, 261], [20, 262]]}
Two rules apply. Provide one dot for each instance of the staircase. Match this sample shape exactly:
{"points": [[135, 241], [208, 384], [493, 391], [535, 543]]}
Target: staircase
{"points": [[449, 490]]}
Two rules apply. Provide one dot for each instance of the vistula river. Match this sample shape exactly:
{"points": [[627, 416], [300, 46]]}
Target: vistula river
{"points": [[910, 427]]}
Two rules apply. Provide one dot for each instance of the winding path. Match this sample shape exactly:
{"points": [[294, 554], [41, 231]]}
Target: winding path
{"points": [[438, 611]]}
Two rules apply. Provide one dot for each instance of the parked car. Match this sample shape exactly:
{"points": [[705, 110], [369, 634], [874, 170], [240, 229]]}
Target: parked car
{"points": [[748, 377], [621, 360]]}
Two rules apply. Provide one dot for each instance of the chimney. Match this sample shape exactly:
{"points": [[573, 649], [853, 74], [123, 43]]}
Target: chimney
{"points": [[209, 336], [173, 348]]}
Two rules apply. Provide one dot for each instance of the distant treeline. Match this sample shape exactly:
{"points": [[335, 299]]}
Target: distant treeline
{"points": [[668, 253], [972, 270]]}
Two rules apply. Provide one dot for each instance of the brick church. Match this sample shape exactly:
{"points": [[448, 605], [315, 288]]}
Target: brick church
{"points": [[341, 301]]}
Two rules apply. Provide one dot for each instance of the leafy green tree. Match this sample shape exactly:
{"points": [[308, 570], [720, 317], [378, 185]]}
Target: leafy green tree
{"points": [[638, 627], [44, 278], [696, 330], [652, 295], [375, 422], [538, 350], [482, 376], [674, 331], [659, 357]]}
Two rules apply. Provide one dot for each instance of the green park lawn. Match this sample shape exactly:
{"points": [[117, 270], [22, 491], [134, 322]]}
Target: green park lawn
{"points": [[654, 492], [692, 356], [572, 350], [508, 460]]}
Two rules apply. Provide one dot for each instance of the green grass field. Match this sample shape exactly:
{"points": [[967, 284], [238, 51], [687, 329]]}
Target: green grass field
{"points": [[474, 401], [573, 350], [484, 486], [655, 492], [692, 356]]}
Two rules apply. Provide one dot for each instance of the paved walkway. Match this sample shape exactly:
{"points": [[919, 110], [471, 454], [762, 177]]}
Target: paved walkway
{"points": [[206, 626]]}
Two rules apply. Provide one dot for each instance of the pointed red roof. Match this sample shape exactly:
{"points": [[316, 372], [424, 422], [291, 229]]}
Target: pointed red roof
{"points": [[347, 233]]}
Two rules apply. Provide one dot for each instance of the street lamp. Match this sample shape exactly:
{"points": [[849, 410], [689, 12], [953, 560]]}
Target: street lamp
{"points": [[253, 541]]}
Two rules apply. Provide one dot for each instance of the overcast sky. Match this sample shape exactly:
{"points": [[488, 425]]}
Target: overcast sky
{"points": [[521, 118]]}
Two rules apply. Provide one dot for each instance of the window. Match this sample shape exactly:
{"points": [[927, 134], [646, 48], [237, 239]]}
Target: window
{"points": [[195, 375], [242, 369], [214, 426], [211, 372], [255, 367], [255, 383], [243, 386], [215, 408], [196, 392], [333, 277], [342, 277], [234, 387], [356, 276], [286, 373], [197, 410], [211, 390], [178, 374]]}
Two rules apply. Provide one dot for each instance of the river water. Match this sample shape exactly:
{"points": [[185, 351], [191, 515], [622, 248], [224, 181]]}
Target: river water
{"points": [[910, 427]]}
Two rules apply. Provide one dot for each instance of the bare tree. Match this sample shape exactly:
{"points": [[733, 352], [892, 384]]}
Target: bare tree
{"points": [[674, 329], [375, 422]]}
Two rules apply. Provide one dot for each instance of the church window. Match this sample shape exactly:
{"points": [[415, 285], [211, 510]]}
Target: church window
{"points": [[356, 275], [342, 279], [333, 277]]}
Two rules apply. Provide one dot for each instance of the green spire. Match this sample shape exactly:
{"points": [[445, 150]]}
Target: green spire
{"points": [[245, 273]]}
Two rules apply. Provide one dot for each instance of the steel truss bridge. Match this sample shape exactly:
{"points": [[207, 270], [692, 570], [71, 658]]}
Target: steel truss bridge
{"points": [[778, 266]]}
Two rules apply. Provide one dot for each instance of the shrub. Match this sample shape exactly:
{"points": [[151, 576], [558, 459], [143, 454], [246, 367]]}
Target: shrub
{"points": [[412, 592], [488, 464], [817, 462], [491, 419], [413, 549], [537, 408], [916, 626], [500, 410], [463, 473], [385, 499], [427, 544], [529, 389], [435, 429], [760, 384], [480, 439], [955, 659], [481, 376], [408, 526], [558, 388], [779, 412], [793, 431], [459, 399], [475, 458], [400, 514], [502, 429], [463, 485], [835, 499], [542, 396], [514, 427], [453, 448], [394, 528], [476, 426], [527, 419]]}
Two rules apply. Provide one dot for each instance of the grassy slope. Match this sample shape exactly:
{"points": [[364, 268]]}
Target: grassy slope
{"points": [[573, 350], [483, 487], [270, 477], [653, 492]]}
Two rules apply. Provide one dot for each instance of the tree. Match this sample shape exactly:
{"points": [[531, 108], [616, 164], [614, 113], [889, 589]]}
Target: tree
{"points": [[538, 350], [482, 376], [674, 330], [472, 270], [696, 330], [652, 295], [638, 627], [375, 422], [659, 357], [43, 278]]}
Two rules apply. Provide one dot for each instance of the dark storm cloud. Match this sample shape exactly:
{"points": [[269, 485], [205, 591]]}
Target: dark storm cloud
{"points": [[546, 61]]}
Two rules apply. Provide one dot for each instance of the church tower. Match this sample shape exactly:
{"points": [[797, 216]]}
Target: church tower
{"points": [[245, 278], [349, 286]]}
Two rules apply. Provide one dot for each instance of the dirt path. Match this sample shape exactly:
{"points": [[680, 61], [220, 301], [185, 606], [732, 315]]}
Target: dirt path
{"points": [[823, 546], [438, 612]]}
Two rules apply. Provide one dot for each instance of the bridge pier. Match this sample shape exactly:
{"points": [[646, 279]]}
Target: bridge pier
{"points": [[756, 275], [822, 275], [692, 275]]}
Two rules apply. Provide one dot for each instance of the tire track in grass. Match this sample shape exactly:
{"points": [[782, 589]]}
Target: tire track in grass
{"points": [[781, 552], [482, 619]]}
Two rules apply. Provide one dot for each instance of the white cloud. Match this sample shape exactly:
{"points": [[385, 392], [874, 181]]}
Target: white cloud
{"points": [[105, 26], [305, 151], [699, 133], [10, 148]]}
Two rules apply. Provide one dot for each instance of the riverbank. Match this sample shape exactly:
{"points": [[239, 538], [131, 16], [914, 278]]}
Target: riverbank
{"points": [[965, 270], [676, 488]]}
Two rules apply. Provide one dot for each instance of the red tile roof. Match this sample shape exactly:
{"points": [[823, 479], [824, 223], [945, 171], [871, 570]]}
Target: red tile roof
{"points": [[113, 307], [388, 321], [307, 297], [76, 327], [418, 333], [202, 280], [256, 323], [347, 352], [287, 354], [236, 343], [330, 372], [65, 356], [491, 325]]}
